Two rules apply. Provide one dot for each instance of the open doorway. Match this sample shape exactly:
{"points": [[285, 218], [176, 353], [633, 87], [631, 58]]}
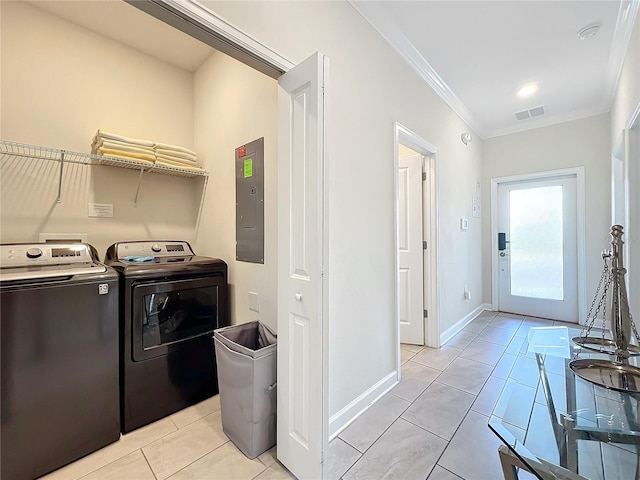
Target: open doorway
{"points": [[416, 240]]}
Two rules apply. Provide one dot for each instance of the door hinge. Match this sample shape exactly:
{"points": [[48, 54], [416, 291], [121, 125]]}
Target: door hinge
{"points": [[426, 314], [424, 176], [424, 244]]}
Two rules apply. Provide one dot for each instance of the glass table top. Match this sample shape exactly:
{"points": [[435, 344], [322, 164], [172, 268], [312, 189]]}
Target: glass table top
{"points": [[560, 425]]}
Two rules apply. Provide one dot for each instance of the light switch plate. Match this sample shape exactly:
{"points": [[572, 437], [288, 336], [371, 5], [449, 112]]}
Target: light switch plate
{"points": [[464, 223], [254, 301]]}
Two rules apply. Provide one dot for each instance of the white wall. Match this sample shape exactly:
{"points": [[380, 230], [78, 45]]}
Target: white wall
{"points": [[60, 83], [584, 142], [234, 105], [626, 100], [370, 88]]}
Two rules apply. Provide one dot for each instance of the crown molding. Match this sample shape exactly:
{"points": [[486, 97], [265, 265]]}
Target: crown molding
{"points": [[195, 19], [627, 16], [375, 15]]}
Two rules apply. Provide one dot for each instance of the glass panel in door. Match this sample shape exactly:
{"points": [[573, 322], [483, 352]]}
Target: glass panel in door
{"points": [[536, 233]]}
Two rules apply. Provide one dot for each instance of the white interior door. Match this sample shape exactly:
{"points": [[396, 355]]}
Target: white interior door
{"points": [[537, 243], [300, 267], [410, 250]]}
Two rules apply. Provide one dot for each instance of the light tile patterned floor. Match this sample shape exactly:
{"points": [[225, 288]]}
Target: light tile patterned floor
{"points": [[432, 425], [188, 445]]}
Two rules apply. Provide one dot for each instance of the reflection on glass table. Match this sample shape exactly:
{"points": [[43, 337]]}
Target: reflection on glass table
{"points": [[560, 426]]}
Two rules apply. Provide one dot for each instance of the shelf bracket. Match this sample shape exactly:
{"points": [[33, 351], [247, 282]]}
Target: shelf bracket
{"points": [[135, 200], [59, 198]]}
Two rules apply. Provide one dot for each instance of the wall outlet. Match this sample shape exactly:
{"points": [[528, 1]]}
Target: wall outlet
{"points": [[467, 294]]}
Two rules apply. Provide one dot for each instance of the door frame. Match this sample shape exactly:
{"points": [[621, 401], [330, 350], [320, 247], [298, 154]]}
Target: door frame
{"points": [[579, 173], [197, 20], [431, 266]]}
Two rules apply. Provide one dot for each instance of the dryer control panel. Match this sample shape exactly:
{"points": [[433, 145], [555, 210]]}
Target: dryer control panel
{"points": [[154, 248]]}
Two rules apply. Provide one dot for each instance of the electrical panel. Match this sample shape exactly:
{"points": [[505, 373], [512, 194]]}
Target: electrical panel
{"points": [[250, 202]]}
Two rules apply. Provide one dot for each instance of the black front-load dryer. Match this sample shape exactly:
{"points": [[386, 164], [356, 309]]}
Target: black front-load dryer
{"points": [[171, 301]]}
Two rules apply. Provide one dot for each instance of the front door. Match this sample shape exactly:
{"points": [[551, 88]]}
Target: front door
{"points": [[537, 247], [301, 261]]}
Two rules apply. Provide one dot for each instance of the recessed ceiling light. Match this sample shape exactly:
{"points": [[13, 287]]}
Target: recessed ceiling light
{"points": [[588, 31], [527, 90]]}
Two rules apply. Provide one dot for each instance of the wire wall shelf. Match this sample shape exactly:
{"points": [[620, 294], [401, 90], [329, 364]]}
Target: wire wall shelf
{"points": [[10, 150]]}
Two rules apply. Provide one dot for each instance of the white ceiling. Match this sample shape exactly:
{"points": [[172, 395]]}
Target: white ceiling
{"points": [[475, 54]]}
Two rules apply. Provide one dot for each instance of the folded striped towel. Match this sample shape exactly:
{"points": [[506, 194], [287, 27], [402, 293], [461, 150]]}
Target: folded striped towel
{"points": [[176, 153], [113, 145], [104, 135], [175, 148], [178, 160], [132, 157], [183, 167]]}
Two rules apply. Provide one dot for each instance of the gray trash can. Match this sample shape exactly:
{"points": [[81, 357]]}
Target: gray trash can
{"points": [[246, 362]]}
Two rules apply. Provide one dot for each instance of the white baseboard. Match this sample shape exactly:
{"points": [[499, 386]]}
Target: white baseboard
{"points": [[463, 322], [344, 418]]}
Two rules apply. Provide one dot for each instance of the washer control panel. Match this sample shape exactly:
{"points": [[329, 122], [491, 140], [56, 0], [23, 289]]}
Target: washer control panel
{"points": [[27, 254], [154, 248]]}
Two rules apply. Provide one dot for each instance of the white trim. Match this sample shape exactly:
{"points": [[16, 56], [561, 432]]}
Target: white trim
{"points": [[346, 416], [201, 15], [404, 136], [635, 116], [378, 18], [450, 332], [579, 172]]}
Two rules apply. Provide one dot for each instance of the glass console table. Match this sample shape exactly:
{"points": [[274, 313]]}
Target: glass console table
{"points": [[557, 425]]}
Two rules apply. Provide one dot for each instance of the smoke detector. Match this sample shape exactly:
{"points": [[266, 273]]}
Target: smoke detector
{"points": [[588, 31]]}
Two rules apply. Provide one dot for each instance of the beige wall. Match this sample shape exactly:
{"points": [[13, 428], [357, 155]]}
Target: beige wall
{"points": [[627, 94], [60, 83], [625, 103], [234, 105], [370, 87], [584, 142]]}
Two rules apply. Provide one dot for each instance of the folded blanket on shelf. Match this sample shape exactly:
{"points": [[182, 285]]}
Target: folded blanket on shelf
{"points": [[177, 160], [131, 155], [104, 135], [177, 154], [113, 145], [175, 148], [123, 156], [183, 167]]}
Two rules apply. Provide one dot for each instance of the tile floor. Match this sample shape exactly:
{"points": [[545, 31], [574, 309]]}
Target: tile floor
{"points": [[433, 425]]}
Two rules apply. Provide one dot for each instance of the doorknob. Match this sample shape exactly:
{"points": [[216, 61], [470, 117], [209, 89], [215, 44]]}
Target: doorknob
{"points": [[298, 297], [503, 254]]}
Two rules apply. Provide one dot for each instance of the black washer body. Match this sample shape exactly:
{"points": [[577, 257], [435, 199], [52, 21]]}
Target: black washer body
{"points": [[159, 380], [59, 362]]}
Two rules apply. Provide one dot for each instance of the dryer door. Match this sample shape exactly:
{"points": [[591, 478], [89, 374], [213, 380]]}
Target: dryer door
{"points": [[170, 312]]}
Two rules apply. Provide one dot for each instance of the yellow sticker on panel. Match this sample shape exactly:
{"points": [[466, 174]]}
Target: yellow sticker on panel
{"points": [[248, 167]]}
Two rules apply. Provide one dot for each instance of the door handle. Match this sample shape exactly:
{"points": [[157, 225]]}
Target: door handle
{"points": [[502, 241], [298, 297]]}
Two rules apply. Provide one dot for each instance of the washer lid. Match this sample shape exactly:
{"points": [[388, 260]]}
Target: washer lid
{"points": [[25, 261]]}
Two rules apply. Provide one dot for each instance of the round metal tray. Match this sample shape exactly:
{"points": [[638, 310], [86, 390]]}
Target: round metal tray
{"points": [[603, 345], [608, 374]]}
